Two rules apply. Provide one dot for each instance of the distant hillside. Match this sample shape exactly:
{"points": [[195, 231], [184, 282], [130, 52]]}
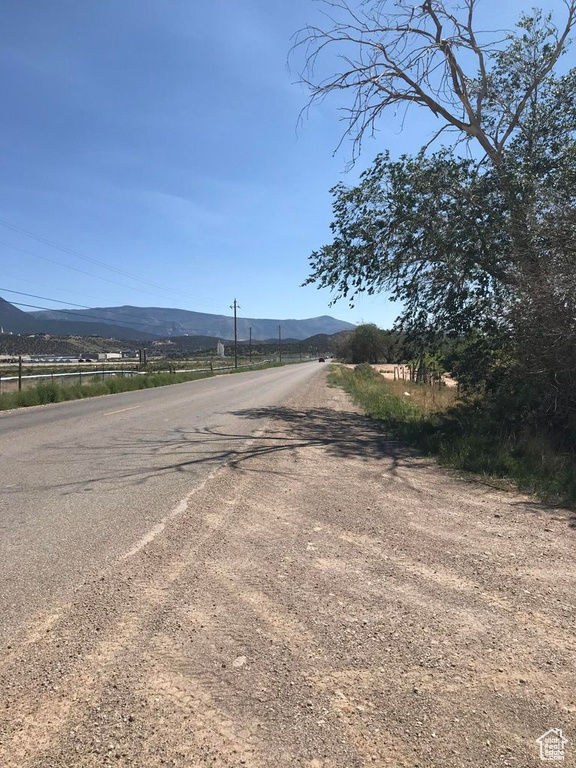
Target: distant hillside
{"points": [[166, 322], [175, 347], [78, 346], [14, 320]]}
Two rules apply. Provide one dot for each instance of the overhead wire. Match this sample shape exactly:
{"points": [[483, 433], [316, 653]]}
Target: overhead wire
{"points": [[75, 313], [8, 276], [75, 269], [77, 254], [44, 298], [72, 304], [81, 271]]}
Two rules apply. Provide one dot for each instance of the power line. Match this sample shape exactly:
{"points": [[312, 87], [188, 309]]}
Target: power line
{"points": [[45, 298], [71, 304], [81, 271], [72, 312], [77, 254], [8, 276], [235, 307], [75, 269]]}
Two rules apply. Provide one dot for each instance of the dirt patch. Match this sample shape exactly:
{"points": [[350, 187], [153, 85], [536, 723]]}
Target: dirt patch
{"points": [[402, 373], [329, 599]]}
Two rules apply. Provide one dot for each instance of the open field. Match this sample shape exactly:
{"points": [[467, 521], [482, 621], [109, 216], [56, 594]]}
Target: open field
{"points": [[52, 372]]}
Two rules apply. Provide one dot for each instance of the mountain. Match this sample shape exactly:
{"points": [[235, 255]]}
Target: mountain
{"points": [[164, 322], [14, 320]]}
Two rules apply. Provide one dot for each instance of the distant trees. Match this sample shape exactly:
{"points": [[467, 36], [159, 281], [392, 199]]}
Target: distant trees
{"points": [[369, 344]]}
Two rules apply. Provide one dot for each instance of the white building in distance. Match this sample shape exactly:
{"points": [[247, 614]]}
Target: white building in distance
{"points": [[109, 356]]}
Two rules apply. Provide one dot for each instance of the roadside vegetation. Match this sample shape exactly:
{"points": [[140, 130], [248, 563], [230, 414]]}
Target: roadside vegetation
{"points": [[53, 392], [461, 434], [474, 239]]}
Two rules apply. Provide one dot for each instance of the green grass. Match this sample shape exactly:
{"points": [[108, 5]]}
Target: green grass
{"points": [[462, 435], [52, 392]]}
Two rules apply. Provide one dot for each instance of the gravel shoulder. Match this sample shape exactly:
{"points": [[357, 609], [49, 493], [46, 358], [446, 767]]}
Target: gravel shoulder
{"points": [[328, 599]]}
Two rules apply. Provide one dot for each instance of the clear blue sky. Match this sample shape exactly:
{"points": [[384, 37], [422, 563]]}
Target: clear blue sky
{"points": [[160, 137]]}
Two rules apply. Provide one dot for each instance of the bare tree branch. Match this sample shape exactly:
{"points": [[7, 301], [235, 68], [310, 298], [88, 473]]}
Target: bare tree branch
{"points": [[396, 53]]}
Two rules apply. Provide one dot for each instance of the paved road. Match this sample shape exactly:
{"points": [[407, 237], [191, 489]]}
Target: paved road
{"points": [[329, 599], [85, 482]]}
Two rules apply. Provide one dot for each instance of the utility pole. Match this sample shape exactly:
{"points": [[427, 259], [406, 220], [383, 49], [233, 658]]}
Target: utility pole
{"points": [[250, 346], [235, 306], [280, 342]]}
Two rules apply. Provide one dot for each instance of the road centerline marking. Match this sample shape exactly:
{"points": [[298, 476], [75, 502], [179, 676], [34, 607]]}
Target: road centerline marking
{"points": [[111, 413]]}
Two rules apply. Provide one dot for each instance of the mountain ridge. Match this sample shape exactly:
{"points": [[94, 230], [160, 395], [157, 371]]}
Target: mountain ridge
{"points": [[166, 322], [14, 320]]}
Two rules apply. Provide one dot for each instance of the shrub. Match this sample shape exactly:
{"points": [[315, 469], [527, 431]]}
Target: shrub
{"points": [[463, 435]]}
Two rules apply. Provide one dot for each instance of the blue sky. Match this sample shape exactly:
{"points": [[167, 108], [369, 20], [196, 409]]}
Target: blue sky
{"points": [[160, 137]]}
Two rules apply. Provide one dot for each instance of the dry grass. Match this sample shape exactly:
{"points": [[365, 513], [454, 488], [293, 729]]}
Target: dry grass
{"points": [[428, 400], [464, 435], [401, 373]]}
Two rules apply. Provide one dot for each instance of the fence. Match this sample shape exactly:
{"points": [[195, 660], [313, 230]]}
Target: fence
{"points": [[10, 383], [17, 382]]}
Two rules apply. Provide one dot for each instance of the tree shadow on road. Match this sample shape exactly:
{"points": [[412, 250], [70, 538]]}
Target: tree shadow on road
{"points": [[342, 434], [548, 509]]}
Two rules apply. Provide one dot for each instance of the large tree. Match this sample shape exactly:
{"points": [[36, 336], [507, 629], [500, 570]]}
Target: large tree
{"points": [[369, 344], [394, 54], [483, 242], [430, 231], [488, 89]]}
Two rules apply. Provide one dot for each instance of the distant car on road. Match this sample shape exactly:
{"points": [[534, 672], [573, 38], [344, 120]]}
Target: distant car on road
{"points": [[321, 360]]}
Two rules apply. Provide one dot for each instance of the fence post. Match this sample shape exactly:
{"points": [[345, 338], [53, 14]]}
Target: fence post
{"points": [[19, 373]]}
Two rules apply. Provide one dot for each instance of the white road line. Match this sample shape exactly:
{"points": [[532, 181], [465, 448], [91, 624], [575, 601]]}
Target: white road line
{"points": [[181, 507], [111, 413]]}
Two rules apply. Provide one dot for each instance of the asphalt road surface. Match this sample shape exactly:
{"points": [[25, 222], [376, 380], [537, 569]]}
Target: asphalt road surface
{"points": [[248, 572], [87, 482]]}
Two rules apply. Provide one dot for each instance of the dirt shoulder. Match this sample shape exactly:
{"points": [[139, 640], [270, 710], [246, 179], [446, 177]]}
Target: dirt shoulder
{"points": [[328, 599]]}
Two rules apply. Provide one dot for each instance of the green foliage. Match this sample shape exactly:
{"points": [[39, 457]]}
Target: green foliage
{"points": [[429, 231], [368, 343], [477, 252], [364, 369], [466, 436], [43, 394], [476, 249]]}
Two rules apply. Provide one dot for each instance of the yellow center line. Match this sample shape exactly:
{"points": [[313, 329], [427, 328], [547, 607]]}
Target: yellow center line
{"points": [[111, 413]]}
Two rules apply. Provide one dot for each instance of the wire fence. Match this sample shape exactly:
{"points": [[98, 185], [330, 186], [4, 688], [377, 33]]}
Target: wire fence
{"points": [[10, 383]]}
